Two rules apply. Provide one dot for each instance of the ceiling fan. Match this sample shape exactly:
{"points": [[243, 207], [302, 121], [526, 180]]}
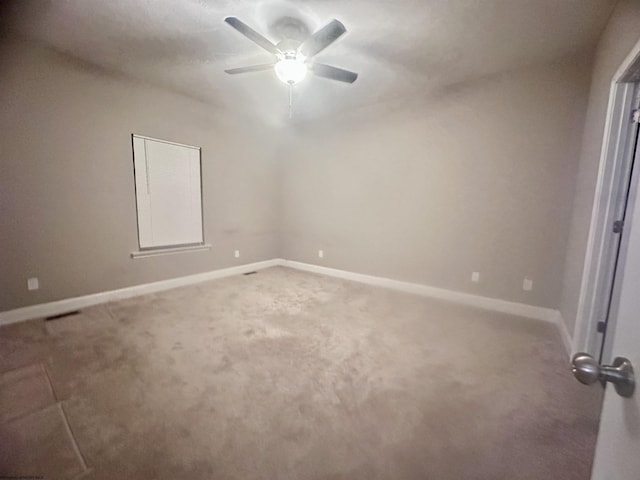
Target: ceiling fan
{"points": [[293, 57]]}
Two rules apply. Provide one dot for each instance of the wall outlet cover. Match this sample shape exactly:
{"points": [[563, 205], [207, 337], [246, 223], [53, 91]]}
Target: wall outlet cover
{"points": [[527, 285], [475, 277], [33, 283], [321, 253], [236, 253]]}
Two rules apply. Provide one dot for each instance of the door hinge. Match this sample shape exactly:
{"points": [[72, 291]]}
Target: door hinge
{"points": [[618, 225], [602, 326]]}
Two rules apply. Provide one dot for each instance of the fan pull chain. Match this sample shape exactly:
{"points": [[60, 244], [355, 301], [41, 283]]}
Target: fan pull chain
{"points": [[290, 101]]}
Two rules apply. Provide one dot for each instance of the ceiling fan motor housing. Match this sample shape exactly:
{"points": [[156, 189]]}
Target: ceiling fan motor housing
{"points": [[289, 49]]}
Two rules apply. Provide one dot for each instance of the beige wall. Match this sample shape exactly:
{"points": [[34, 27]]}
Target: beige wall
{"points": [[619, 37], [67, 203], [476, 178]]}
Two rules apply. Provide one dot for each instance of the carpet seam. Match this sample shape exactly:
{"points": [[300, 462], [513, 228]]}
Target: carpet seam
{"points": [[76, 447], [82, 475], [49, 382]]}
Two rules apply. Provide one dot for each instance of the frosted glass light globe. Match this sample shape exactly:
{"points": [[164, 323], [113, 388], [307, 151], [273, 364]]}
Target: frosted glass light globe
{"points": [[290, 70]]}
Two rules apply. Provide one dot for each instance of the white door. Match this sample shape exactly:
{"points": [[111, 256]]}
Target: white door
{"points": [[617, 454]]}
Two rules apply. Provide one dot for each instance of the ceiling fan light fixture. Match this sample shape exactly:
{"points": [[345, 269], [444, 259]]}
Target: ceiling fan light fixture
{"points": [[290, 70]]}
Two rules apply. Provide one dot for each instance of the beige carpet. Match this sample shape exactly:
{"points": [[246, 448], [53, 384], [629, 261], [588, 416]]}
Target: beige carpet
{"points": [[290, 375], [36, 441], [24, 390]]}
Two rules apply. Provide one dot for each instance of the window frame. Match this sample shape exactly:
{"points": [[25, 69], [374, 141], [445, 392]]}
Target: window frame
{"points": [[169, 248]]}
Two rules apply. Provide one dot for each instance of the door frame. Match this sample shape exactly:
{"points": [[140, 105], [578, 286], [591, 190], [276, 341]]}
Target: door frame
{"points": [[598, 266]]}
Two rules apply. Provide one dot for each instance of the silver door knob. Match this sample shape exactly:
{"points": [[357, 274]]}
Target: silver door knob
{"points": [[588, 371]]}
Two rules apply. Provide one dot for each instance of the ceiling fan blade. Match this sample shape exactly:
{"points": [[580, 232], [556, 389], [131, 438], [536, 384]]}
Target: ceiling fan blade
{"points": [[334, 73], [322, 38], [252, 68], [252, 35]]}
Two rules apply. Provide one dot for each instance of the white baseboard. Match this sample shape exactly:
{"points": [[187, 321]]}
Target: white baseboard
{"points": [[486, 303], [75, 303], [513, 308]]}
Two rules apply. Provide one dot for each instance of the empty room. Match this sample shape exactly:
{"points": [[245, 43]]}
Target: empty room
{"points": [[286, 239]]}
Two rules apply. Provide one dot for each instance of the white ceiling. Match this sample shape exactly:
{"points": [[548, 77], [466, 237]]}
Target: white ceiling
{"points": [[398, 47]]}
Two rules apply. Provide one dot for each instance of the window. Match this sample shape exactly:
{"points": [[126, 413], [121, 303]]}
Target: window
{"points": [[168, 195]]}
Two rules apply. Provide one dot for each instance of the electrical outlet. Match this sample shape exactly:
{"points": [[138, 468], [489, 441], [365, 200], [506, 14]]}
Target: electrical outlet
{"points": [[475, 277], [236, 253], [33, 284], [527, 284], [321, 253]]}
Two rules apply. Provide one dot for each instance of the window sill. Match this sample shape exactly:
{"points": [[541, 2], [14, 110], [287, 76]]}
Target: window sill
{"points": [[169, 251]]}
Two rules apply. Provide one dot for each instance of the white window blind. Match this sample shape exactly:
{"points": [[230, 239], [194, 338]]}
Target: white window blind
{"points": [[168, 193]]}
